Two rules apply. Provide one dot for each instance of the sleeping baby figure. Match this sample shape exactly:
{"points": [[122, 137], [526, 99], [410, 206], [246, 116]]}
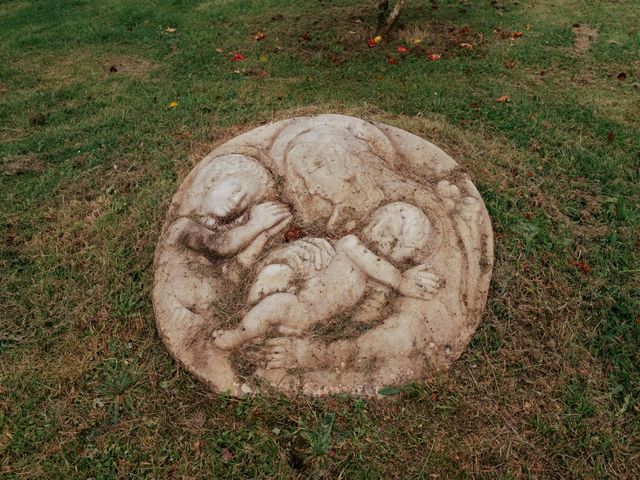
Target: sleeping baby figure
{"points": [[309, 281]]}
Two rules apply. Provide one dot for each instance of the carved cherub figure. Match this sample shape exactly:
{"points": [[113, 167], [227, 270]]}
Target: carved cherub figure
{"points": [[225, 216], [223, 192], [334, 280]]}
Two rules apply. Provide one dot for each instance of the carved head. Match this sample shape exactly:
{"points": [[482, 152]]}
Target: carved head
{"points": [[398, 231], [229, 185], [326, 174]]}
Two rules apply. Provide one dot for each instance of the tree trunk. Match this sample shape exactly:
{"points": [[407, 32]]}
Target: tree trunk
{"points": [[384, 25]]}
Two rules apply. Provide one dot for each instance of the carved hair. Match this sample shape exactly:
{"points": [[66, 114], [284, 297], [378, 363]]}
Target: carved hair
{"points": [[415, 227], [377, 140], [223, 167]]}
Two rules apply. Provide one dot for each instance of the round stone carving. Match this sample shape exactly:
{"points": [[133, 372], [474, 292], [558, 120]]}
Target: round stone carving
{"points": [[320, 255]]}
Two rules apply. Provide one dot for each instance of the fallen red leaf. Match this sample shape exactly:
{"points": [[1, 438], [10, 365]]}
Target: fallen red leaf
{"points": [[293, 233], [517, 34], [392, 60], [434, 56], [237, 57], [402, 49], [371, 42], [583, 267], [502, 99]]}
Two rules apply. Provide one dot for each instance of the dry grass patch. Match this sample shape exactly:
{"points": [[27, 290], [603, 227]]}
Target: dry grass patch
{"points": [[136, 67], [585, 37], [17, 164]]}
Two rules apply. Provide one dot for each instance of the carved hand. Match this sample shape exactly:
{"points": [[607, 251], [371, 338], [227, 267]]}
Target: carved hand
{"points": [[317, 250], [277, 228], [268, 214], [418, 283]]}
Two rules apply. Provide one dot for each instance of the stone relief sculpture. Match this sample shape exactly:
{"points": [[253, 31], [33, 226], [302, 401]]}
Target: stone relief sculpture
{"points": [[387, 284]]}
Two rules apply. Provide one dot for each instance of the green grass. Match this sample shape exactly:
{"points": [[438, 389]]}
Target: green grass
{"points": [[548, 388]]}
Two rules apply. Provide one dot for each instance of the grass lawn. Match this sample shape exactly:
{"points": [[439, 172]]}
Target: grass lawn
{"points": [[91, 152]]}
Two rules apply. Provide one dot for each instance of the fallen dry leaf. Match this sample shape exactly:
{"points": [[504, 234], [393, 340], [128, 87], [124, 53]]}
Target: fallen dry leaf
{"points": [[170, 29], [226, 454], [417, 41], [509, 64], [173, 104], [392, 60], [256, 72], [259, 36], [502, 99], [502, 33], [219, 50], [377, 39], [583, 267], [293, 233], [517, 34], [466, 45], [622, 76]]}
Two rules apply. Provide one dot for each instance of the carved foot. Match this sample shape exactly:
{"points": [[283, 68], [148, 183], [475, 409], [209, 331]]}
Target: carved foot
{"points": [[286, 352]]}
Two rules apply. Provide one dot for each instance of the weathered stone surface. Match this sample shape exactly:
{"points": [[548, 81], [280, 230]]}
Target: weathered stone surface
{"points": [[321, 255]]}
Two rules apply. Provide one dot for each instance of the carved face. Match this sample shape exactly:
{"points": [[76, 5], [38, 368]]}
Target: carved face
{"points": [[325, 176], [230, 196]]}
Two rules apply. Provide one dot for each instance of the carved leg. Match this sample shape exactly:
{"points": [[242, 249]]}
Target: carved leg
{"points": [[272, 279], [273, 310]]}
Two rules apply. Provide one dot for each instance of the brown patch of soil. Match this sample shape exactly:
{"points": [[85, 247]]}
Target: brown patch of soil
{"points": [[585, 36], [17, 164], [136, 67]]}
